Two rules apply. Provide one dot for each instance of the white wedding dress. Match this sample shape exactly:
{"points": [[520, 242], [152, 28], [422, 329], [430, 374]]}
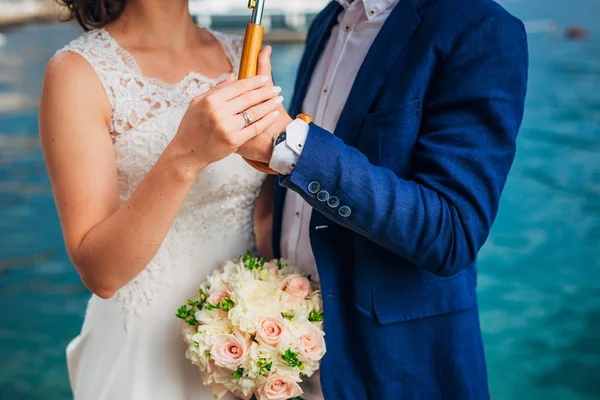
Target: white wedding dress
{"points": [[130, 347]]}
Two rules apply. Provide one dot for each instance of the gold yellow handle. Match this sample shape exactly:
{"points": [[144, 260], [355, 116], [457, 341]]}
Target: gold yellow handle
{"points": [[248, 65], [252, 45]]}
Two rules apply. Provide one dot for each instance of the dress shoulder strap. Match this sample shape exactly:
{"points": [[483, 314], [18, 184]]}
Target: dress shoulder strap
{"points": [[111, 65]]}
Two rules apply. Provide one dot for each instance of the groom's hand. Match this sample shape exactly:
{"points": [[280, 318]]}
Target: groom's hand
{"points": [[260, 147]]}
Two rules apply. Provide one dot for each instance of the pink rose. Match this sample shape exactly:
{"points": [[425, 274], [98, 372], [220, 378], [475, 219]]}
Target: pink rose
{"points": [[279, 387], [269, 330], [272, 268], [296, 286], [312, 344], [230, 351], [216, 297]]}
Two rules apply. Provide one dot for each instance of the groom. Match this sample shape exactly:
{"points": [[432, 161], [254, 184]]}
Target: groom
{"points": [[389, 195]]}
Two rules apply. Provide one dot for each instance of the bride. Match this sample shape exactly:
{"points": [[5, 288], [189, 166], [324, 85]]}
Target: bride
{"points": [[139, 122]]}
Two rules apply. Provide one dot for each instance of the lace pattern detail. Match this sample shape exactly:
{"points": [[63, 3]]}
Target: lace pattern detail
{"points": [[134, 98], [146, 113]]}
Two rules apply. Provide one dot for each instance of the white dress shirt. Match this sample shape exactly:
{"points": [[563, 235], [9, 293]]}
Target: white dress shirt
{"points": [[358, 26]]}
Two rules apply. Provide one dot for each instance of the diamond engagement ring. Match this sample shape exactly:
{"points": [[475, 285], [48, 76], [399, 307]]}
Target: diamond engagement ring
{"points": [[247, 118]]}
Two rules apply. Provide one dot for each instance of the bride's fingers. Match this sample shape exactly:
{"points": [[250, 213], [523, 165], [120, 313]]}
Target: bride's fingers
{"points": [[220, 95], [221, 84], [261, 110], [258, 127], [252, 98], [226, 82]]}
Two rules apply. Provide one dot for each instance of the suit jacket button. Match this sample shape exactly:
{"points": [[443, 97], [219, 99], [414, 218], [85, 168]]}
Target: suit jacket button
{"points": [[345, 211], [323, 196], [333, 202], [314, 187]]}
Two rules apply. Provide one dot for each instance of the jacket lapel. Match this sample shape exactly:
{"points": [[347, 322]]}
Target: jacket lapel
{"points": [[314, 48], [388, 45]]}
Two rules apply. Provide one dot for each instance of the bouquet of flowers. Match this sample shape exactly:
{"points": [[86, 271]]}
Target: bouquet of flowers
{"points": [[255, 330]]}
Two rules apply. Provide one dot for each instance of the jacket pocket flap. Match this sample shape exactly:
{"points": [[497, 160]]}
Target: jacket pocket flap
{"points": [[439, 297], [393, 115]]}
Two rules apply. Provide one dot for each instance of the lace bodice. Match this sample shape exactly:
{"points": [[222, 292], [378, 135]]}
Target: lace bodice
{"points": [[146, 113]]}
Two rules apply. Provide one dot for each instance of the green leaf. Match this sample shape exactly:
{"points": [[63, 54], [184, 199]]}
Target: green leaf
{"points": [[225, 304], [287, 316], [291, 358], [239, 373], [269, 366], [315, 316]]}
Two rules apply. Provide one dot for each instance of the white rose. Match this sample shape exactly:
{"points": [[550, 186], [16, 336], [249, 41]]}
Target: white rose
{"points": [[290, 339], [243, 317], [262, 297], [317, 299]]}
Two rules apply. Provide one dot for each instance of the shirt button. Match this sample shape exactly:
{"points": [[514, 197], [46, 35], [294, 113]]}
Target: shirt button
{"points": [[314, 187], [325, 90], [333, 202], [345, 211], [323, 196], [297, 213], [348, 28], [372, 11]]}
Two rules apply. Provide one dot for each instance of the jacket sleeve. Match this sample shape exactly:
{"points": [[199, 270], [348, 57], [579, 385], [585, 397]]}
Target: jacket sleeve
{"points": [[440, 216]]}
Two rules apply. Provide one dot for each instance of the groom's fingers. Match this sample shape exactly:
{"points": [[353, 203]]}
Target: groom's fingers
{"points": [[264, 62]]}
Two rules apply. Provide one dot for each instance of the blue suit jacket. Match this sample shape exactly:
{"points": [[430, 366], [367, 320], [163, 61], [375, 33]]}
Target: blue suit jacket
{"points": [[420, 156]]}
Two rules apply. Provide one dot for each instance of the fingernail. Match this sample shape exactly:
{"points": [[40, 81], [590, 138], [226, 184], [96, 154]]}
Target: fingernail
{"points": [[278, 99], [264, 79], [275, 114], [276, 89]]}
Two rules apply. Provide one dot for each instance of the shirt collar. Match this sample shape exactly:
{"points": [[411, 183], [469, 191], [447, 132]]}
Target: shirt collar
{"points": [[372, 7]]}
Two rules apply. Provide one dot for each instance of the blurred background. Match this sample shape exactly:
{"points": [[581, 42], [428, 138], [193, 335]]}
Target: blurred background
{"points": [[539, 271]]}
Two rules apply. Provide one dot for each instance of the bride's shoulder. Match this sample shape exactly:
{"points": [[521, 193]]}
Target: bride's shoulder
{"points": [[91, 52], [82, 66], [76, 58], [92, 42]]}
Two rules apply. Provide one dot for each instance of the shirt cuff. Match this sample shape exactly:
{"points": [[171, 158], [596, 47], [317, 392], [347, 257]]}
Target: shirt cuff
{"points": [[287, 153]]}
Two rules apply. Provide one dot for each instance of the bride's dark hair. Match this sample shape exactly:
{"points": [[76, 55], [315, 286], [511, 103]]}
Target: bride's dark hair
{"points": [[93, 14]]}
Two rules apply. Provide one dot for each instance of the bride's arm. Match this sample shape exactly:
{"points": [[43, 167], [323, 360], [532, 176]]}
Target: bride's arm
{"points": [[111, 244]]}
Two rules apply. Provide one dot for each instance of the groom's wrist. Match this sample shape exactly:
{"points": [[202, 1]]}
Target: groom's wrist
{"points": [[288, 147]]}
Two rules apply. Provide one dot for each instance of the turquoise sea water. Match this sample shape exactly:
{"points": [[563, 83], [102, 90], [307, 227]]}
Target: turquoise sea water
{"points": [[539, 272]]}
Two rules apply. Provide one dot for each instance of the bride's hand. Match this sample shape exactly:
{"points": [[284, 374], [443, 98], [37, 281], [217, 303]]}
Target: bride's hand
{"points": [[213, 126]]}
